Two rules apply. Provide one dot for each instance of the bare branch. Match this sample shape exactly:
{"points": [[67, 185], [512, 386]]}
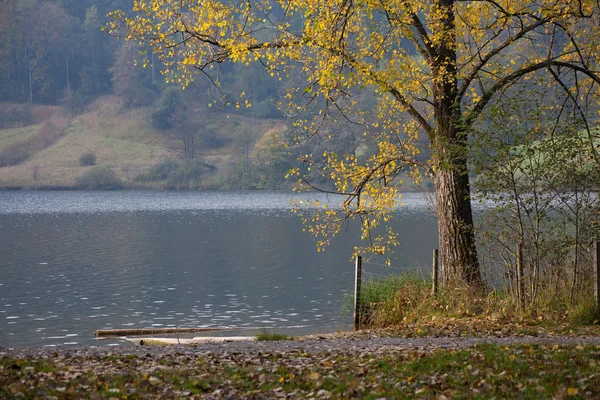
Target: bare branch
{"points": [[484, 60], [515, 76]]}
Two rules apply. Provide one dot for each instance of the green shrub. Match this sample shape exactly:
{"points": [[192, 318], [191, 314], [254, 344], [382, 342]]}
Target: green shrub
{"points": [[165, 108], [87, 159], [99, 177], [172, 174], [160, 172], [74, 101]]}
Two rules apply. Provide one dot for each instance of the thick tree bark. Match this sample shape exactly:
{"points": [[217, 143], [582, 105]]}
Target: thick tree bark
{"points": [[458, 254], [457, 249]]}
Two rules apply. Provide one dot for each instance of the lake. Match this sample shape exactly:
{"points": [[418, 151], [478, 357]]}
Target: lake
{"points": [[72, 262]]}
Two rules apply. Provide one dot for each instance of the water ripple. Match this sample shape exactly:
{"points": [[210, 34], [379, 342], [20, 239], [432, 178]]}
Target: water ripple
{"points": [[75, 262]]}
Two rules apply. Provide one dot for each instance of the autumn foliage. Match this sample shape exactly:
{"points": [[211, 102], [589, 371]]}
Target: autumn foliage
{"points": [[433, 67]]}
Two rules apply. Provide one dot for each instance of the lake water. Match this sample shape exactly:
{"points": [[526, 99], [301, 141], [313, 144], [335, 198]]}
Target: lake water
{"points": [[72, 262]]}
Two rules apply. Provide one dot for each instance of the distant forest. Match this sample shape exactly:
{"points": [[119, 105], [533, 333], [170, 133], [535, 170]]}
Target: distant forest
{"points": [[55, 53]]}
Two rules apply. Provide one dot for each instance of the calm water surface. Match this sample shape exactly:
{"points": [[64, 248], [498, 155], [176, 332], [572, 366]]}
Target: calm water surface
{"points": [[74, 262]]}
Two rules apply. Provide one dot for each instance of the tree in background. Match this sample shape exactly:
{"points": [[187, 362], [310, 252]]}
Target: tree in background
{"points": [[7, 82], [186, 130], [45, 33], [434, 67], [51, 50], [94, 75], [132, 84], [166, 106], [540, 176], [172, 116]]}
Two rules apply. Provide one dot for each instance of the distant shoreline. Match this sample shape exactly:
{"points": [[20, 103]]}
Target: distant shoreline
{"points": [[154, 189]]}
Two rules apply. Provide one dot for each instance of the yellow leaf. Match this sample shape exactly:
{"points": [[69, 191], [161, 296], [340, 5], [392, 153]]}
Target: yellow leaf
{"points": [[572, 391], [314, 376]]}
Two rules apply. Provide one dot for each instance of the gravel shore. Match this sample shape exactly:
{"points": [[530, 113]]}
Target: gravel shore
{"points": [[348, 365], [345, 343]]}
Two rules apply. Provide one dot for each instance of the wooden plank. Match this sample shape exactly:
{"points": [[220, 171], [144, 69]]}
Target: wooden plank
{"points": [[154, 331], [159, 341]]}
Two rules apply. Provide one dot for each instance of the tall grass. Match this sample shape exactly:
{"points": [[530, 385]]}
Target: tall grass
{"points": [[408, 298]]}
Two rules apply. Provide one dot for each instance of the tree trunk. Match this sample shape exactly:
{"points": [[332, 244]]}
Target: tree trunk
{"points": [[29, 76], [152, 65], [192, 150], [458, 254], [67, 67]]}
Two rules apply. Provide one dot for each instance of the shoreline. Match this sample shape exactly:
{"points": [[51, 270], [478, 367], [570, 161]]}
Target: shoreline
{"points": [[358, 365], [344, 342], [155, 189]]}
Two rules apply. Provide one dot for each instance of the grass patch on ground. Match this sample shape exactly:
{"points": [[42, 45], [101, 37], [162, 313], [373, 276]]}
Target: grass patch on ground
{"points": [[266, 335], [484, 371]]}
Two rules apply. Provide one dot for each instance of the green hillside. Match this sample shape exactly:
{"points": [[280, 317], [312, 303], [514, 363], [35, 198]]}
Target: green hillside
{"points": [[125, 142], [14, 135]]}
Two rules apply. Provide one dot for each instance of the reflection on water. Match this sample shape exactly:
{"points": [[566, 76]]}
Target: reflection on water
{"points": [[74, 262]]}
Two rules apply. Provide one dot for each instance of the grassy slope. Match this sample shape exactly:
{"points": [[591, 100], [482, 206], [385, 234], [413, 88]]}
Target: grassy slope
{"points": [[14, 135], [125, 141]]}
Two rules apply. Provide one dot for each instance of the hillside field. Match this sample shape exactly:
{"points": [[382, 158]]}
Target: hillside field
{"points": [[125, 141]]}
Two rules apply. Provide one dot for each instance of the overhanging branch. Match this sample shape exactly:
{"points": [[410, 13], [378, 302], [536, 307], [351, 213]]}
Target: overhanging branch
{"points": [[515, 76]]}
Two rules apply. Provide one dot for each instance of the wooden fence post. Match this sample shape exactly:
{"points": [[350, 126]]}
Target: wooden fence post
{"points": [[435, 272], [357, 284], [597, 275], [520, 286]]}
